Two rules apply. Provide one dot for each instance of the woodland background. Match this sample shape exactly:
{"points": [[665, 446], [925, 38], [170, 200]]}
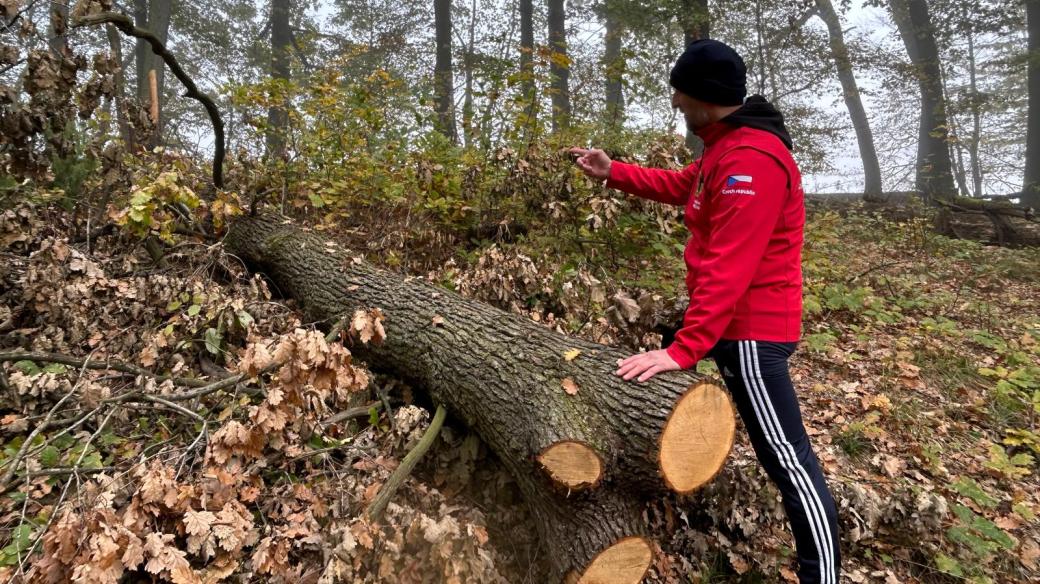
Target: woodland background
{"points": [[430, 138]]}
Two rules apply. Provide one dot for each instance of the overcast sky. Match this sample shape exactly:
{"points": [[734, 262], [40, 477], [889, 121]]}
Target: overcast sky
{"points": [[849, 177]]}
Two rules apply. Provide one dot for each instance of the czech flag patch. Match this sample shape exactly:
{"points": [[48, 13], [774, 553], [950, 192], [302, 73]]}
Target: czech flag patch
{"points": [[738, 184]]}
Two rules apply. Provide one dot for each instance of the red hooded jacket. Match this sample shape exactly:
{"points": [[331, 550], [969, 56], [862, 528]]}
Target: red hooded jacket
{"points": [[744, 207]]}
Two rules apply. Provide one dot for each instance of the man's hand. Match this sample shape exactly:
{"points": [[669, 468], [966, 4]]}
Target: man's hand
{"points": [[594, 162], [646, 365]]}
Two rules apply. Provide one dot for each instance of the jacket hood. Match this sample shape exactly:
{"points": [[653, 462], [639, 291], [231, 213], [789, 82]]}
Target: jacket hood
{"points": [[760, 114]]}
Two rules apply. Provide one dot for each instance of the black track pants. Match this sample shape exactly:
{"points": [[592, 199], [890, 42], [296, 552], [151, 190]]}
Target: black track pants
{"points": [[757, 376]]}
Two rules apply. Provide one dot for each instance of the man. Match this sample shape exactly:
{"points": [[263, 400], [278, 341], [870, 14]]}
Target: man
{"points": [[744, 208]]}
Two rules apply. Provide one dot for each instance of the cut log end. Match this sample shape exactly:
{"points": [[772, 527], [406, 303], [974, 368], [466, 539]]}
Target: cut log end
{"points": [[625, 562], [572, 465], [697, 438]]}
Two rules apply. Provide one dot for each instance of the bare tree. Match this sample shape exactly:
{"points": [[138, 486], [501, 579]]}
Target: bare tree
{"points": [[1031, 188], [864, 137], [527, 88], [152, 15], [614, 65], [934, 169], [281, 39], [115, 47], [469, 128], [444, 87], [559, 66]]}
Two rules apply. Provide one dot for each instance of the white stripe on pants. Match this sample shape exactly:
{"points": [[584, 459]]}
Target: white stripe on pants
{"points": [[785, 453]]}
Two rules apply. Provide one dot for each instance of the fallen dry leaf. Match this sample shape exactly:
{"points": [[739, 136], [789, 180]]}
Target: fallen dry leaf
{"points": [[1030, 554], [569, 386]]}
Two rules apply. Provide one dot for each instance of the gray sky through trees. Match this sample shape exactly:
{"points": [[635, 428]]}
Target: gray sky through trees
{"points": [[868, 28]]}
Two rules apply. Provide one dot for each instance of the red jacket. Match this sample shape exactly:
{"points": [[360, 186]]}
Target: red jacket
{"points": [[746, 215]]}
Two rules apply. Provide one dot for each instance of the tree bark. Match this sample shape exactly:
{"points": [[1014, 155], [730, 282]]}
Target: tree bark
{"points": [[559, 66], [142, 53], [281, 39], [850, 89], [614, 66], [523, 388], [1031, 187], [444, 87], [934, 169], [159, 13]]}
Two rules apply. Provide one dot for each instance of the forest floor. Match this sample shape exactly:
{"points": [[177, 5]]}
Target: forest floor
{"points": [[919, 375]]}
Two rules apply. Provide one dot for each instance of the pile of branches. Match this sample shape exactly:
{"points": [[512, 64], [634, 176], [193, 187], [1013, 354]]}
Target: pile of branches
{"points": [[260, 454]]}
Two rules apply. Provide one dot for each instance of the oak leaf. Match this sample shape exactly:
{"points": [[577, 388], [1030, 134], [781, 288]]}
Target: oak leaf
{"points": [[198, 522], [569, 386], [368, 325]]}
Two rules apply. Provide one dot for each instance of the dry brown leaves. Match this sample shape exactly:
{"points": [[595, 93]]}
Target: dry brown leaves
{"points": [[310, 377], [162, 530], [510, 280], [211, 504]]}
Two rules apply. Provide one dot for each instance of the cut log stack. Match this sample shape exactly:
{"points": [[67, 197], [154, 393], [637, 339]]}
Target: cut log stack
{"points": [[586, 447]]}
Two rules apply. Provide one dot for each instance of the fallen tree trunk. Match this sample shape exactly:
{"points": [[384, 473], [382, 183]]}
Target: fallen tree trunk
{"points": [[998, 212], [585, 446]]}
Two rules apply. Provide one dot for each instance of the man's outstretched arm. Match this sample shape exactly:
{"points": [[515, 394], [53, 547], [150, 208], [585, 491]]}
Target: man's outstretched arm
{"points": [[671, 187]]}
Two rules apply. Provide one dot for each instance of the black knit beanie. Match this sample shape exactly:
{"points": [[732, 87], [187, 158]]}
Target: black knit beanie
{"points": [[712, 72]]}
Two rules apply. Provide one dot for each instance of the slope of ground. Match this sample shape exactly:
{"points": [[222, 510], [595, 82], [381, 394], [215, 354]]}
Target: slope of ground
{"points": [[919, 374]]}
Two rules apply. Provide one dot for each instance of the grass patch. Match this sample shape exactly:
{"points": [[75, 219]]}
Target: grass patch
{"points": [[953, 374], [853, 440]]}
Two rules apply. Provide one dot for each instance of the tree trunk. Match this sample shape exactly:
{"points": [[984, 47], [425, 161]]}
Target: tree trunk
{"points": [[976, 116], [527, 89], [696, 24], [762, 65], [850, 89], [57, 32], [142, 60], [444, 86], [159, 13], [277, 116], [953, 144], [696, 21], [559, 66], [585, 447], [614, 66], [1031, 187], [115, 46], [468, 128], [934, 168], [142, 51], [153, 15], [960, 175]]}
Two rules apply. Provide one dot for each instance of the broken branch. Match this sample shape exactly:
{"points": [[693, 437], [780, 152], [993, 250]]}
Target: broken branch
{"points": [[124, 24], [400, 474]]}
